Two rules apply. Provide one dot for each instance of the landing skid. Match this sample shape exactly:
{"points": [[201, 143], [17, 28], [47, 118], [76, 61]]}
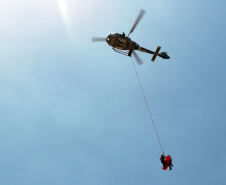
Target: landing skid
{"points": [[126, 53]]}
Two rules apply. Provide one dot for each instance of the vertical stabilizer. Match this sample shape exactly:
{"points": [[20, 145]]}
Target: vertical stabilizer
{"points": [[156, 53]]}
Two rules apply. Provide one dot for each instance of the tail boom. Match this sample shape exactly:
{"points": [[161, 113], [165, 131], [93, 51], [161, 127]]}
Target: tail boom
{"points": [[155, 54]]}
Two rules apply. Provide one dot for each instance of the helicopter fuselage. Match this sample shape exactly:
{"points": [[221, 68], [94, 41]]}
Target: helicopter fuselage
{"points": [[122, 42]]}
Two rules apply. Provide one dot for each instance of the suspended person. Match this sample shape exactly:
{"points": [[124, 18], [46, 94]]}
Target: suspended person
{"points": [[162, 159], [166, 161], [170, 164]]}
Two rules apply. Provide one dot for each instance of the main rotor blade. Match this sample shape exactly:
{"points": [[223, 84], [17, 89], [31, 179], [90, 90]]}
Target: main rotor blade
{"points": [[141, 14], [138, 60], [98, 39]]}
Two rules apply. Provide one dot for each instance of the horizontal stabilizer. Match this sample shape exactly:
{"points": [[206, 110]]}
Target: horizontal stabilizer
{"points": [[156, 53]]}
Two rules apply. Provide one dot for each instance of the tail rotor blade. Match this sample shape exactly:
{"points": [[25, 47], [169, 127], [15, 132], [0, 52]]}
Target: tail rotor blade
{"points": [[98, 39], [138, 60], [141, 14]]}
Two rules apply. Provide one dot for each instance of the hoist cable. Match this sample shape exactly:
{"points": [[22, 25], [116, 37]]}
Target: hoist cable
{"points": [[147, 106]]}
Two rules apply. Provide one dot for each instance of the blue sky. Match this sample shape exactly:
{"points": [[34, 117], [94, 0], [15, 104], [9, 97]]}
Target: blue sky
{"points": [[72, 112]]}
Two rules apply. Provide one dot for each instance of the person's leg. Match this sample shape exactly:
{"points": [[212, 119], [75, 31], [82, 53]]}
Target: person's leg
{"points": [[163, 166]]}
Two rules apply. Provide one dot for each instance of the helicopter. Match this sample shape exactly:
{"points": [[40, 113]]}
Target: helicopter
{"points": [[121, 42]]}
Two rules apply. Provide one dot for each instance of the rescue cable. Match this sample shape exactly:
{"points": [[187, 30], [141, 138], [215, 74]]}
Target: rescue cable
{"points": [[147, 105]]}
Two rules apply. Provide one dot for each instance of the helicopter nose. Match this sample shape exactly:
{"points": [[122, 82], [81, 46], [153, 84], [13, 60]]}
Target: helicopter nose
{"points": [[108, 39]]}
